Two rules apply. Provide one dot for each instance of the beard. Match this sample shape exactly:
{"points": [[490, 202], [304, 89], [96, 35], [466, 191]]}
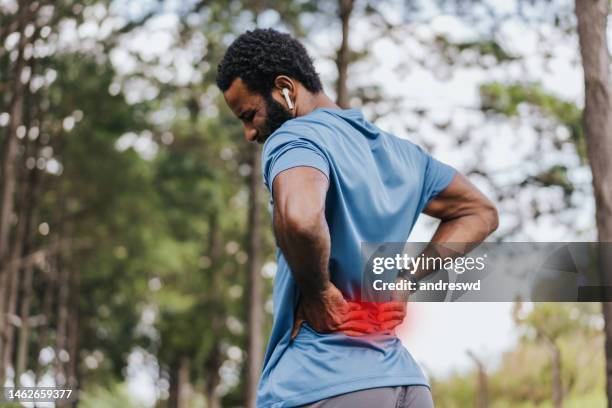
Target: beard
{"points": [[277, 115]]}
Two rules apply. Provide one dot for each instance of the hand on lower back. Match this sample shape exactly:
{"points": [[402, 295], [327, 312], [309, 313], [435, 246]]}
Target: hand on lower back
{"points": [[330, 312], [391, 314]]}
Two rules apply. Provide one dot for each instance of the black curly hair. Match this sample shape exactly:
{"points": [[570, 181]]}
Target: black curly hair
{"points": [[259, 56]]}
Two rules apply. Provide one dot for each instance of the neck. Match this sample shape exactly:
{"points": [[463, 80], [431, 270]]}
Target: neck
{"points": [[315, 101]]}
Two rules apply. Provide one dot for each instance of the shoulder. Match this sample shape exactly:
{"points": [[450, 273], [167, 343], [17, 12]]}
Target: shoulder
{"points": [[309, 125], [307, 130], [404, 145], [292, 147]]}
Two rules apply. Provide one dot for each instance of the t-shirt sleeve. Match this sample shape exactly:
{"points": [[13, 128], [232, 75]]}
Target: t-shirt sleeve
{"points": [[285, 152], [436, 177]]}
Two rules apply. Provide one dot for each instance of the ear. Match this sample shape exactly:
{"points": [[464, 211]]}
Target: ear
{"points": [[285, 90], [283, 81]]}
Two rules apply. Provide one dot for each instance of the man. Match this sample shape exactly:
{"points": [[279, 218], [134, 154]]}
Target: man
{"points": [[336, 181]]}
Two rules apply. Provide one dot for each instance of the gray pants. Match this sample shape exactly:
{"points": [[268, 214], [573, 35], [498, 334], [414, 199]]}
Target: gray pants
{"points": [[407, 396]]}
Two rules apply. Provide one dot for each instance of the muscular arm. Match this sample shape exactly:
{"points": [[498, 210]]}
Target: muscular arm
{"points": [[303, 236], [300, 226], [466, 214], [467, 218]]}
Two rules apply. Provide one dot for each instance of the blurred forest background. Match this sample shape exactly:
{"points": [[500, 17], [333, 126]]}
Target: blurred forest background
{"points": [[136, 253]]}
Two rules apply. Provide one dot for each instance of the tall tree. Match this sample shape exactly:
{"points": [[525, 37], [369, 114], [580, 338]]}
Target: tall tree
{"points": [[255, 323], [547, 324], [592, 24], [344, 53], [9, 160], [482, 400]]}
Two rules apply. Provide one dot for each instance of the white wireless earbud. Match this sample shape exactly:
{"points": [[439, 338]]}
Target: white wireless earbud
{"points": [[285, 92]]}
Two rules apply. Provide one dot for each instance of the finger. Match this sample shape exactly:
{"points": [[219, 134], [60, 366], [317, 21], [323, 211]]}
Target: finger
{"points": [[395, 315], [297, 323], [296, 328], [391, 306], [352, 333], [356, 315], [357, 325], [353, 306], [390, 324]]}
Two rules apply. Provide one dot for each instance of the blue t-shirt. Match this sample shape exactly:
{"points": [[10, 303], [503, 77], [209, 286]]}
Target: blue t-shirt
{"points": [[378, 186]]}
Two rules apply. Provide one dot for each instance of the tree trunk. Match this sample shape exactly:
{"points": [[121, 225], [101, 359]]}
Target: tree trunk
{"points": [[557, 382], [343, 57], [557, 391], [20, 247], [27, 288], [9, 176], [47, 306], [212, 379], [73, 330], [184, 384], [62, 323], [12, 271], [592, 19], [24, 331], [213, 361], [173, 391], [254, 283], [482, 400]]}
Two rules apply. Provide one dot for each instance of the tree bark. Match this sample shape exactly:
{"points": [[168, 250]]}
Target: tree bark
{"points": [[343, 56], [597, 118], [213, 361], [34, 178], [212, 378], [173, 391], [24, 331], [47, 305], [254, 283], [9, 168], [21, 244], [557, 394], [12, 271], [557, 383], [482, 400], [184, 383], [62, 322], [73, 330]]}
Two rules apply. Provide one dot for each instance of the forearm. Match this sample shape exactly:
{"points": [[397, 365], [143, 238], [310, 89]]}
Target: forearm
{"points": [[460, 234], [306, 246], [467, 229]]}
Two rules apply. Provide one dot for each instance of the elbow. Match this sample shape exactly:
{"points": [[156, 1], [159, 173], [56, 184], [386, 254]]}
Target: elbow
{"points": [[301, 221], [491, 217], [303, 224]]}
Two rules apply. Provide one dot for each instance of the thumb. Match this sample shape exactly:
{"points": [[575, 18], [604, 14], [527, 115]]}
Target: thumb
{"points": [[296, 327], [297, 322]]}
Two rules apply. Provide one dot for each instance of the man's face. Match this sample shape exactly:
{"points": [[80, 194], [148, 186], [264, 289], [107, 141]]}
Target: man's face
{"points": [[260, 115]]}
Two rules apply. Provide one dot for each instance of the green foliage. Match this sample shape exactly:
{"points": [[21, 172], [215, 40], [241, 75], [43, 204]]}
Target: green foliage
{"points": [[10, 405], [116, 395], [555, 176], [486, 47], [505, 99], [166, 233], [103, 200], [554, 320], [523, 377], [169, 233], [459, 390]]}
